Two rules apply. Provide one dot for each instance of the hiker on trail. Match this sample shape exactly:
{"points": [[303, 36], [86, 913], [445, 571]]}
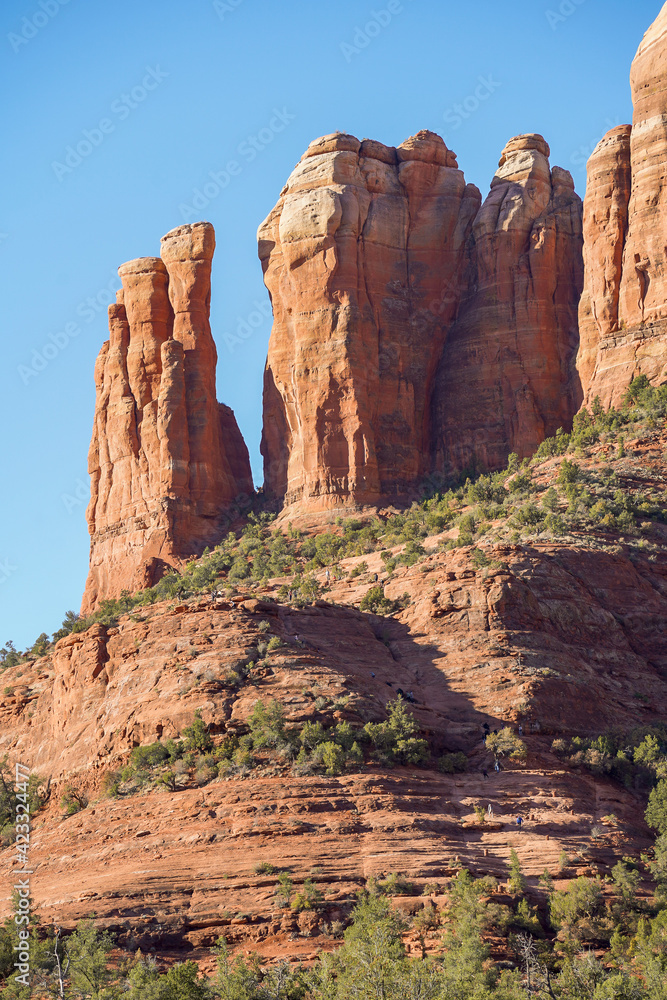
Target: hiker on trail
{"points": [[520, 730], [519, 823], [411, 697], [375, 578], [486, 774], [496, 767], [328, 576], [489, 811]]}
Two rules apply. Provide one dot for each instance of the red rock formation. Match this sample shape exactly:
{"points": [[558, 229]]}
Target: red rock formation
{"points": [[507, 376], [623, 313], [362, 257], [165, 459], [605, 230]]}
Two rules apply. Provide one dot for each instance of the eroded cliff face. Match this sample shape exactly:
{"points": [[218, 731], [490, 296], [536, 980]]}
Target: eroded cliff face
{"points": [[623, 314], [362, 257], [372, 383], [166, 460], [507, 378]]}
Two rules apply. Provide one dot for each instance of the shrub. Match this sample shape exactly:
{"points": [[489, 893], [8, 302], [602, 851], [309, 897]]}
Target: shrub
{"points": [[197, 736], [265, 868], [372, 599], [73, 800], [267, 724], [506, 744], [517, 880], [569, 472], [656, 812], [453, 763], [582, 898]]}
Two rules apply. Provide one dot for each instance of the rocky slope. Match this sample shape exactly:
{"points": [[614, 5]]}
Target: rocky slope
{"points": [[565, 637], [166, 460], [623, 314]]}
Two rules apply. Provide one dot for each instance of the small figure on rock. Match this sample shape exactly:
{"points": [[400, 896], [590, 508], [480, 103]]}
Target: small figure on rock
{"points": [[519, 823]]}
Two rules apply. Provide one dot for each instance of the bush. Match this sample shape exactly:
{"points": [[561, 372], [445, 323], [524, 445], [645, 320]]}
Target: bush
{"points": [[267, 724], [453, 763], [73, 800], [394, 738], [582, 898], [506, 744], [656, 812], [197, 736]]}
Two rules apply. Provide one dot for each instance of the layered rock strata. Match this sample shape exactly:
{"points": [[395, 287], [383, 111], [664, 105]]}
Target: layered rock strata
{"points": [[507, 378], [623, 314], [363, 257], [415, 332], [166, 460]]}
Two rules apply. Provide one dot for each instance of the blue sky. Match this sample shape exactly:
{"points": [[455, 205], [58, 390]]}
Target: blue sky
{"points": [[160, 94]]}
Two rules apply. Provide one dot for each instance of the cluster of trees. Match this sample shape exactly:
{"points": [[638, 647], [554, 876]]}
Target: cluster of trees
{"points": [[637, 758], [372, 962]]}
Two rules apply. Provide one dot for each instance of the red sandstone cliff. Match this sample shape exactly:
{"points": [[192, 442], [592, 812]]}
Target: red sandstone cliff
{"points": [[507, 378], [362, 256], [623, 313], [369, 256], [165, 458]]}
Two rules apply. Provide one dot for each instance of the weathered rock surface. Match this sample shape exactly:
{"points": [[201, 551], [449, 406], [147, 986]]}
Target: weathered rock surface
{"points": [[166, 459], [605, 231], [564, 639], [623, 315], [507, 377], [363, 257]]}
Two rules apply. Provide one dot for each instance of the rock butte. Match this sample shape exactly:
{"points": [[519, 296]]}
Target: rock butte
{"points": [[623, 312], [369, 256], [166, 460], [363, 258], [417, 332]]}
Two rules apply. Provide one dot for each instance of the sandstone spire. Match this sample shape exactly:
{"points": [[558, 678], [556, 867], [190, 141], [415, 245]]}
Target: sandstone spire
{"points": [[623, 314], [362, 257], [166, 460], [507, 377]]}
